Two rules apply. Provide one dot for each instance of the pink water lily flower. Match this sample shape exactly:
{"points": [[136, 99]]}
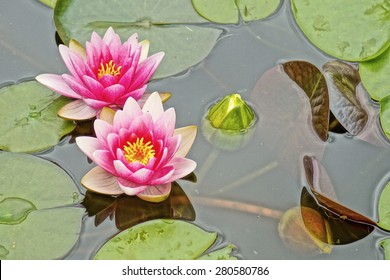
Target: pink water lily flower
{"points": [[139, 153], [104, 74]]}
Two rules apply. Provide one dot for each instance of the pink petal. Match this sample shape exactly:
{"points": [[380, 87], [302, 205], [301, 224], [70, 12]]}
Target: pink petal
{"points": [[66, 55], [156, 193], [140, 177], [108, 80], [135, 94], [162, 176], [183, 167], [132, 108], [78, 87], [88, 145], [147, 68], [112, 93], [122, 120], [164, 97], [100, 181], [127, 78], [97, 104], [188, 134], [104, 159], [109, 35], [121, 170], [130, 188], [77, 110], [102, 130], [56, 83], [93, 85], [154, 106]]}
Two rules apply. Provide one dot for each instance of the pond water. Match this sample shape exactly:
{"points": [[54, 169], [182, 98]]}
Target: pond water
{"points": [[254, 175]]}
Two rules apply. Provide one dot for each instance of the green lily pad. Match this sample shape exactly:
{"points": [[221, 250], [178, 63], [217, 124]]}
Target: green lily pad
{"points": [[49, 3], [158, 239], [225, 253], [34, 191], [385, 244], [384, 208], [353, 30], [29, 121], [163, 23], [375, 75], [227, 11], [385, 115]]}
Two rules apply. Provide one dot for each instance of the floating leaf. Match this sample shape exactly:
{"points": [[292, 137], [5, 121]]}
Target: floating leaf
{"points": [[365, 34], [225, 253], [311, 80], [29, 121], [158, 239], [227, 11], [49, 3], [130, 211], [161, 22], [34, 191], [385, 115], [375, 75], [342, 82], [385, 244], [285, 122], [345, 226], [384, 208]]}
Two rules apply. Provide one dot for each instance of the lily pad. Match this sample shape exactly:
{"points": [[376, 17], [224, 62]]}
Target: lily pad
{"points": [[228, 11], [225, 253], [34, 191], [311, 80], [49, 3], [163, 23], [384, 208], [342, 82], [364, 36], [29, 121], [158, 239], [375, 75], [385, 244], [385, 115]]}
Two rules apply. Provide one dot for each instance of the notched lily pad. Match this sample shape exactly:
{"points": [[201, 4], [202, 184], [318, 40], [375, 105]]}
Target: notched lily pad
{"points": [[343, 80], [364, 36], [163, 23], [34, 191], [226, 253], [228, 11], [158, 240], [29, 121], [311, 80]]}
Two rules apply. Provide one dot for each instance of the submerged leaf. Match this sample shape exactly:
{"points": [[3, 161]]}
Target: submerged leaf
{"points": [[29, 121], [342, 82], [311, 80], [345, 225], [161, 22], [384, 208], [158, 240], [130, 211], [29, 199], [375, 75], [364, 36], [228, 11]]}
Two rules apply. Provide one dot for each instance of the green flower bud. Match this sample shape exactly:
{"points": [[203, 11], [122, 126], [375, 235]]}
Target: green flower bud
{"points": [[231, 113], [229, 124]]}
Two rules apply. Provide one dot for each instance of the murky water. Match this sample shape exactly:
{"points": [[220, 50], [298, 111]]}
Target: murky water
{"points": [[254, 175]]}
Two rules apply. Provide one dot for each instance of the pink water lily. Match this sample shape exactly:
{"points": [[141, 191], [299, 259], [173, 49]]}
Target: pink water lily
{"points": [[104, 74], [139, 153]]}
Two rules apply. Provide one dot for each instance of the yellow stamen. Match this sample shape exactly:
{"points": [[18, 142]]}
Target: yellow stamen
{"points": [[139, 151], [109, 69]]}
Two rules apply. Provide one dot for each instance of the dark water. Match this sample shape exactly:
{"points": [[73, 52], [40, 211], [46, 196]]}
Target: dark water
{"points": [[253, 175]]}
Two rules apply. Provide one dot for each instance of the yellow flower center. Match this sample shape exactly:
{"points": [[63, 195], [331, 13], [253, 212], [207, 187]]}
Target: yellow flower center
{"points": [[109, 69], [139, 151]]}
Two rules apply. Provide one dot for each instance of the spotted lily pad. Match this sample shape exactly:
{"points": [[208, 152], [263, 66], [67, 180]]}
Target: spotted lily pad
{"points": [[353, 30], [375, 75], [158, 239], [29, 121], [228, 11], [34, 191], [163, 23]]}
